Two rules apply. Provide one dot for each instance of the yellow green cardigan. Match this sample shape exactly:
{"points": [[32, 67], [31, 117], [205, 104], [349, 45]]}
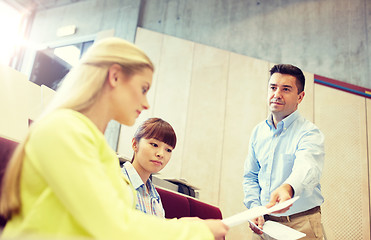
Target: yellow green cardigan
{"points": [[72, 186]]}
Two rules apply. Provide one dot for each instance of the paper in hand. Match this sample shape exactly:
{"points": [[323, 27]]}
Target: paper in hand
{"points": [[279, 231], [244, 216], [256, 212]]}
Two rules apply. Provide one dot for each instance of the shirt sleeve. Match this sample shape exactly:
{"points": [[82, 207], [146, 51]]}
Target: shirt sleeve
{"points": [[68, 157], [308, 165], [250, 183]]}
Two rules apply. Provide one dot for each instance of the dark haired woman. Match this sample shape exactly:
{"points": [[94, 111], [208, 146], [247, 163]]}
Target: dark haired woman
{"points": [[152, 144]]}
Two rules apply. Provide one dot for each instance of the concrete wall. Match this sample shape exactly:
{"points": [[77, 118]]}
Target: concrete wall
{"points": [[326, 37], [90, 17]]}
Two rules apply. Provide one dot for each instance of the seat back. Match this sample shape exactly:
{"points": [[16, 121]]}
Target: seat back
{"points": [[178, 205], [175, 205], [203, 210], [7, 148]]}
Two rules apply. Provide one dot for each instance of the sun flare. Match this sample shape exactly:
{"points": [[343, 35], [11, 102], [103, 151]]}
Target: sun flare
{"points": [[10, 23]]}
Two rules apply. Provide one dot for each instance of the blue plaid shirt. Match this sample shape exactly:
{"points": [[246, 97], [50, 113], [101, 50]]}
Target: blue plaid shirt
{"points": [[147, 202]]}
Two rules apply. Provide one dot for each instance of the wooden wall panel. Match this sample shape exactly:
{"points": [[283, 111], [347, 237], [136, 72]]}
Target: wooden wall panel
{"points": [[47, 95], [342, 118], [172, 93], [20, 101], [368, 110], [306, 108], [246, 106], [205, 120], [151, 43]]}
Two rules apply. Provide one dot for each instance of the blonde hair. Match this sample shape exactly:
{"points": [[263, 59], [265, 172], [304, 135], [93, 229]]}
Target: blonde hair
{"points": [[79, 90]]}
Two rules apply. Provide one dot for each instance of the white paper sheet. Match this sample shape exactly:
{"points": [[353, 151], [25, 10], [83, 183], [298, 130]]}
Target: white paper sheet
{"points": [[244, 216], [279, 231], [256, 212]]}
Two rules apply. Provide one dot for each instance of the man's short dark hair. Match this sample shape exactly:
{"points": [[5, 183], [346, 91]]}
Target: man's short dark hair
{"points": [[290, 70]]}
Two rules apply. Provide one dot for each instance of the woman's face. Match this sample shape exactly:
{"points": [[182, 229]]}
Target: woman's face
{"points": [[131, 95], [151, 155]]}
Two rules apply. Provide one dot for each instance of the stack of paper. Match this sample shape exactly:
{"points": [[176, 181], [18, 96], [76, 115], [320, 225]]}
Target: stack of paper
{"points": [[273, 229], [279, 231]]}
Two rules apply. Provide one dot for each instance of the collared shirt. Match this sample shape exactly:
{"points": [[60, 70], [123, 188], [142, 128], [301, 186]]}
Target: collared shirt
{"points": [[148, 201], [292, 153]]}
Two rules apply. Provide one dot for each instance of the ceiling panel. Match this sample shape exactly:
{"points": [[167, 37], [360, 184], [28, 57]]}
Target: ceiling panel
{"points": [[38, 5]]}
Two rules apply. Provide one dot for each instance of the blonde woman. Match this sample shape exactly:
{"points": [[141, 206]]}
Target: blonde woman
{"points": [[64, 181]]}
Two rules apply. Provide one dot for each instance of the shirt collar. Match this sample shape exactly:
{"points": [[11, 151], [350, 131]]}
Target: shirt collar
{"points": [[137, 181], [133, 175], [285, 123]]}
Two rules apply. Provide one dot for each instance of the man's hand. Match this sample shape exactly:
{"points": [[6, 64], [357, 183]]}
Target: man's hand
{"points": [[259, 221], [281, 194]]}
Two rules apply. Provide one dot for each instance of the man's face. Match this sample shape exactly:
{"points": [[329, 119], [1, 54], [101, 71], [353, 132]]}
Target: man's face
{"points": [[283, 97]]}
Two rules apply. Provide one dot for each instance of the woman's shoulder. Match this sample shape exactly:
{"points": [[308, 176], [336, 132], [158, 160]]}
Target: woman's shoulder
{"points": [[64, 122], [66, 117], [61, 115]]}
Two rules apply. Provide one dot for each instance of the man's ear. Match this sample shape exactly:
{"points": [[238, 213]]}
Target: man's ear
{"points": [[113, 74], [301, 96]]}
